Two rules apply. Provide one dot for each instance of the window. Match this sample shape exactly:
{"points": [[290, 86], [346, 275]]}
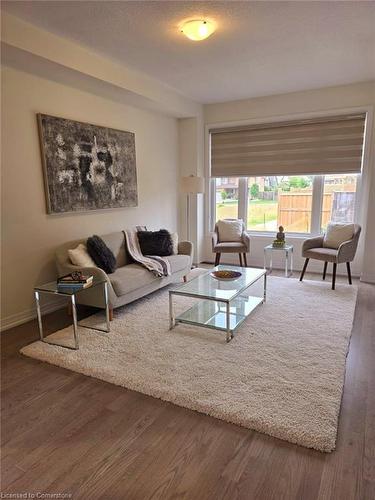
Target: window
{"points": [[339, 195], [280, 201], [310, 170], [300, 203], [226, 198]]}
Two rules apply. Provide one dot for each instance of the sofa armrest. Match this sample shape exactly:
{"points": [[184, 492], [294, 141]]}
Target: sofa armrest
{"points": [[316, 242], [186, 248]]}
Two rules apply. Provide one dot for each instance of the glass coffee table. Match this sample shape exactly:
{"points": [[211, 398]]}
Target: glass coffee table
{"points": [[223, 305]]}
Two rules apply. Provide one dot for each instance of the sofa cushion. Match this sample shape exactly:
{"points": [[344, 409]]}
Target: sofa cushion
{"points": [[325, 254], [155, 242], [131, 277], [337, 234], [178, 262], [134, 276], [174, 238], [230, 247], [101, 254], [79, 256]]}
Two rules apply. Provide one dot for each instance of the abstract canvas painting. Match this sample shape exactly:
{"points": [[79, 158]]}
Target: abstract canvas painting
{"points": [[86, 167]]}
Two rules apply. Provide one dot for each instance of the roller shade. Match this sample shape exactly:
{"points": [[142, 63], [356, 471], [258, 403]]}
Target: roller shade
{"points": [[320, 146]]}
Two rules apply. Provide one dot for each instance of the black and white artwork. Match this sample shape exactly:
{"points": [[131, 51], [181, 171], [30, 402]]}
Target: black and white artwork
{"points": [[86, 167]]}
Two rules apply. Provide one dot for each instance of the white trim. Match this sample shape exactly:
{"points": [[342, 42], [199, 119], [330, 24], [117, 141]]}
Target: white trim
{"points": [[209, 199], [242, 199], [28, 315], [368, 278], [316, 205]]}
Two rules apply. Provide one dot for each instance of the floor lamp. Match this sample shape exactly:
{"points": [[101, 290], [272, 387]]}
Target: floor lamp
{"points": [[191, 185]]}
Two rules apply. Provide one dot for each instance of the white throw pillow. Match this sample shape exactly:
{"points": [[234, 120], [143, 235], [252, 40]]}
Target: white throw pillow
{"points": [[230, 230], [174, 238], [80, 256], [337, 234]]}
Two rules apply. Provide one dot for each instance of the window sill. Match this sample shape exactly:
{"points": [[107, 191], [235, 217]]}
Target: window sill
{"points": [[300, 236], [271, 235]]}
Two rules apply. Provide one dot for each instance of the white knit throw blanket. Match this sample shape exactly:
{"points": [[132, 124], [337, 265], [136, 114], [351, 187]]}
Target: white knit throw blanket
{"points": [[154, 263]]}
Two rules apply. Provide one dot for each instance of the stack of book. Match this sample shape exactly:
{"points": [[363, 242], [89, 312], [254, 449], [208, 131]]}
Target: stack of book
{"points": [[74, 281]]}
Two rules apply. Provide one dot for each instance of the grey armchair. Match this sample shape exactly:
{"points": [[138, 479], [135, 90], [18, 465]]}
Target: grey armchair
{"points": [[313, 249], [241, 247]]}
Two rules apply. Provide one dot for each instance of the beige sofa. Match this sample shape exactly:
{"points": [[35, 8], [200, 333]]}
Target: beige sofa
{"points": [[130, 281]]}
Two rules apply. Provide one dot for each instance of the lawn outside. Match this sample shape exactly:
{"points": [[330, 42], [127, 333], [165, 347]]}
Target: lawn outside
{"points": [[261, 214]]}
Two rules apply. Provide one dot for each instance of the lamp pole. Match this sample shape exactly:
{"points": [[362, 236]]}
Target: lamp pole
{"points": [[188, 216]]}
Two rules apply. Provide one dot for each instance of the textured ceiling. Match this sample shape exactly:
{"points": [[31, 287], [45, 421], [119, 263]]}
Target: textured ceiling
{"points": [[259, 48]]}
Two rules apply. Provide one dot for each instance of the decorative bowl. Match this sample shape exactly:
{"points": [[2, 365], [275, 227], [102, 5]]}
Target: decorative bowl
{"points": [[226, 275]]}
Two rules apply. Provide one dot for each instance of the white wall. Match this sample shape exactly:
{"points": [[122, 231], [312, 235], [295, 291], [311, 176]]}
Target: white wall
{"points": [[35, 50], [191, 138], [308, 102], [29, 235]]}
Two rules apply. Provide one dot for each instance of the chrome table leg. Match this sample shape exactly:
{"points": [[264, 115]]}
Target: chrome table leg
{"points": [[172, 321], [271, 262], [265, 288], [106, 306], [286, 263], [37, 301], [75, 322], [264, 259], [229, 333], [291, 262], [41, 334]]}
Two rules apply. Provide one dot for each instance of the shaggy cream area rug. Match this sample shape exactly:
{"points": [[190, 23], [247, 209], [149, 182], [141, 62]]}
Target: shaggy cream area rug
{"points": [[282, 374]]}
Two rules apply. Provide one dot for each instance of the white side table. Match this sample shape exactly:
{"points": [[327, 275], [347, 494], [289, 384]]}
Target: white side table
{"points": [[288, 251]]}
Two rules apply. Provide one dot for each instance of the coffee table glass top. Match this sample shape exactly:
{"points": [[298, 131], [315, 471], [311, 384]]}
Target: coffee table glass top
{"points": [[52, 287], [206, 286]]}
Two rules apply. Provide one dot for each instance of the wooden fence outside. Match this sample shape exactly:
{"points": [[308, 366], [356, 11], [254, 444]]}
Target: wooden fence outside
{"points": [[294, 211]]}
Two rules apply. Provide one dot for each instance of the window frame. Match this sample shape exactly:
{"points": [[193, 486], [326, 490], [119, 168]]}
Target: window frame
{"points": [[316, 206]]}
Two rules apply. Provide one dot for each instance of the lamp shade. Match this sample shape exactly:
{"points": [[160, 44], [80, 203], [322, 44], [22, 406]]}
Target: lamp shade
{"points": [[192, 184]]}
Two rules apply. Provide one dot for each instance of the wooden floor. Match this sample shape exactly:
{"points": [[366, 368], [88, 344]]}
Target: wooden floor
{"points": [[66, 433]]}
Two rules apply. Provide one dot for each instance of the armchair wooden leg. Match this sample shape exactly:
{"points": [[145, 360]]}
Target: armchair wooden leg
{"points": [[349, 273], [240, 257], [110, 313], [304, 269], [217, 258], [325, 270], [334, 275], [245, 259]]}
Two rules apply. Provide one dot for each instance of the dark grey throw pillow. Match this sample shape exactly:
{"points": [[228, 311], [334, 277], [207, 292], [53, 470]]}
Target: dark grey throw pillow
{"points": [[155, 242], [101, 254]]}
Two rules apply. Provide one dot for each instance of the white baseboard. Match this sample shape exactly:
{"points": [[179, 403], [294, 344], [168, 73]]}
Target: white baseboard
{"points": [[368, 277], [28, 315]]}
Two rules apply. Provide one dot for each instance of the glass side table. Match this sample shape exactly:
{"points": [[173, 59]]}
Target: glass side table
{"points": [[288, 252], [52, 288]]}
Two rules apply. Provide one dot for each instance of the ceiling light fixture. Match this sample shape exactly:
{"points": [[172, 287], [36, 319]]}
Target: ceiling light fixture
{"points": [[198, 29]]}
